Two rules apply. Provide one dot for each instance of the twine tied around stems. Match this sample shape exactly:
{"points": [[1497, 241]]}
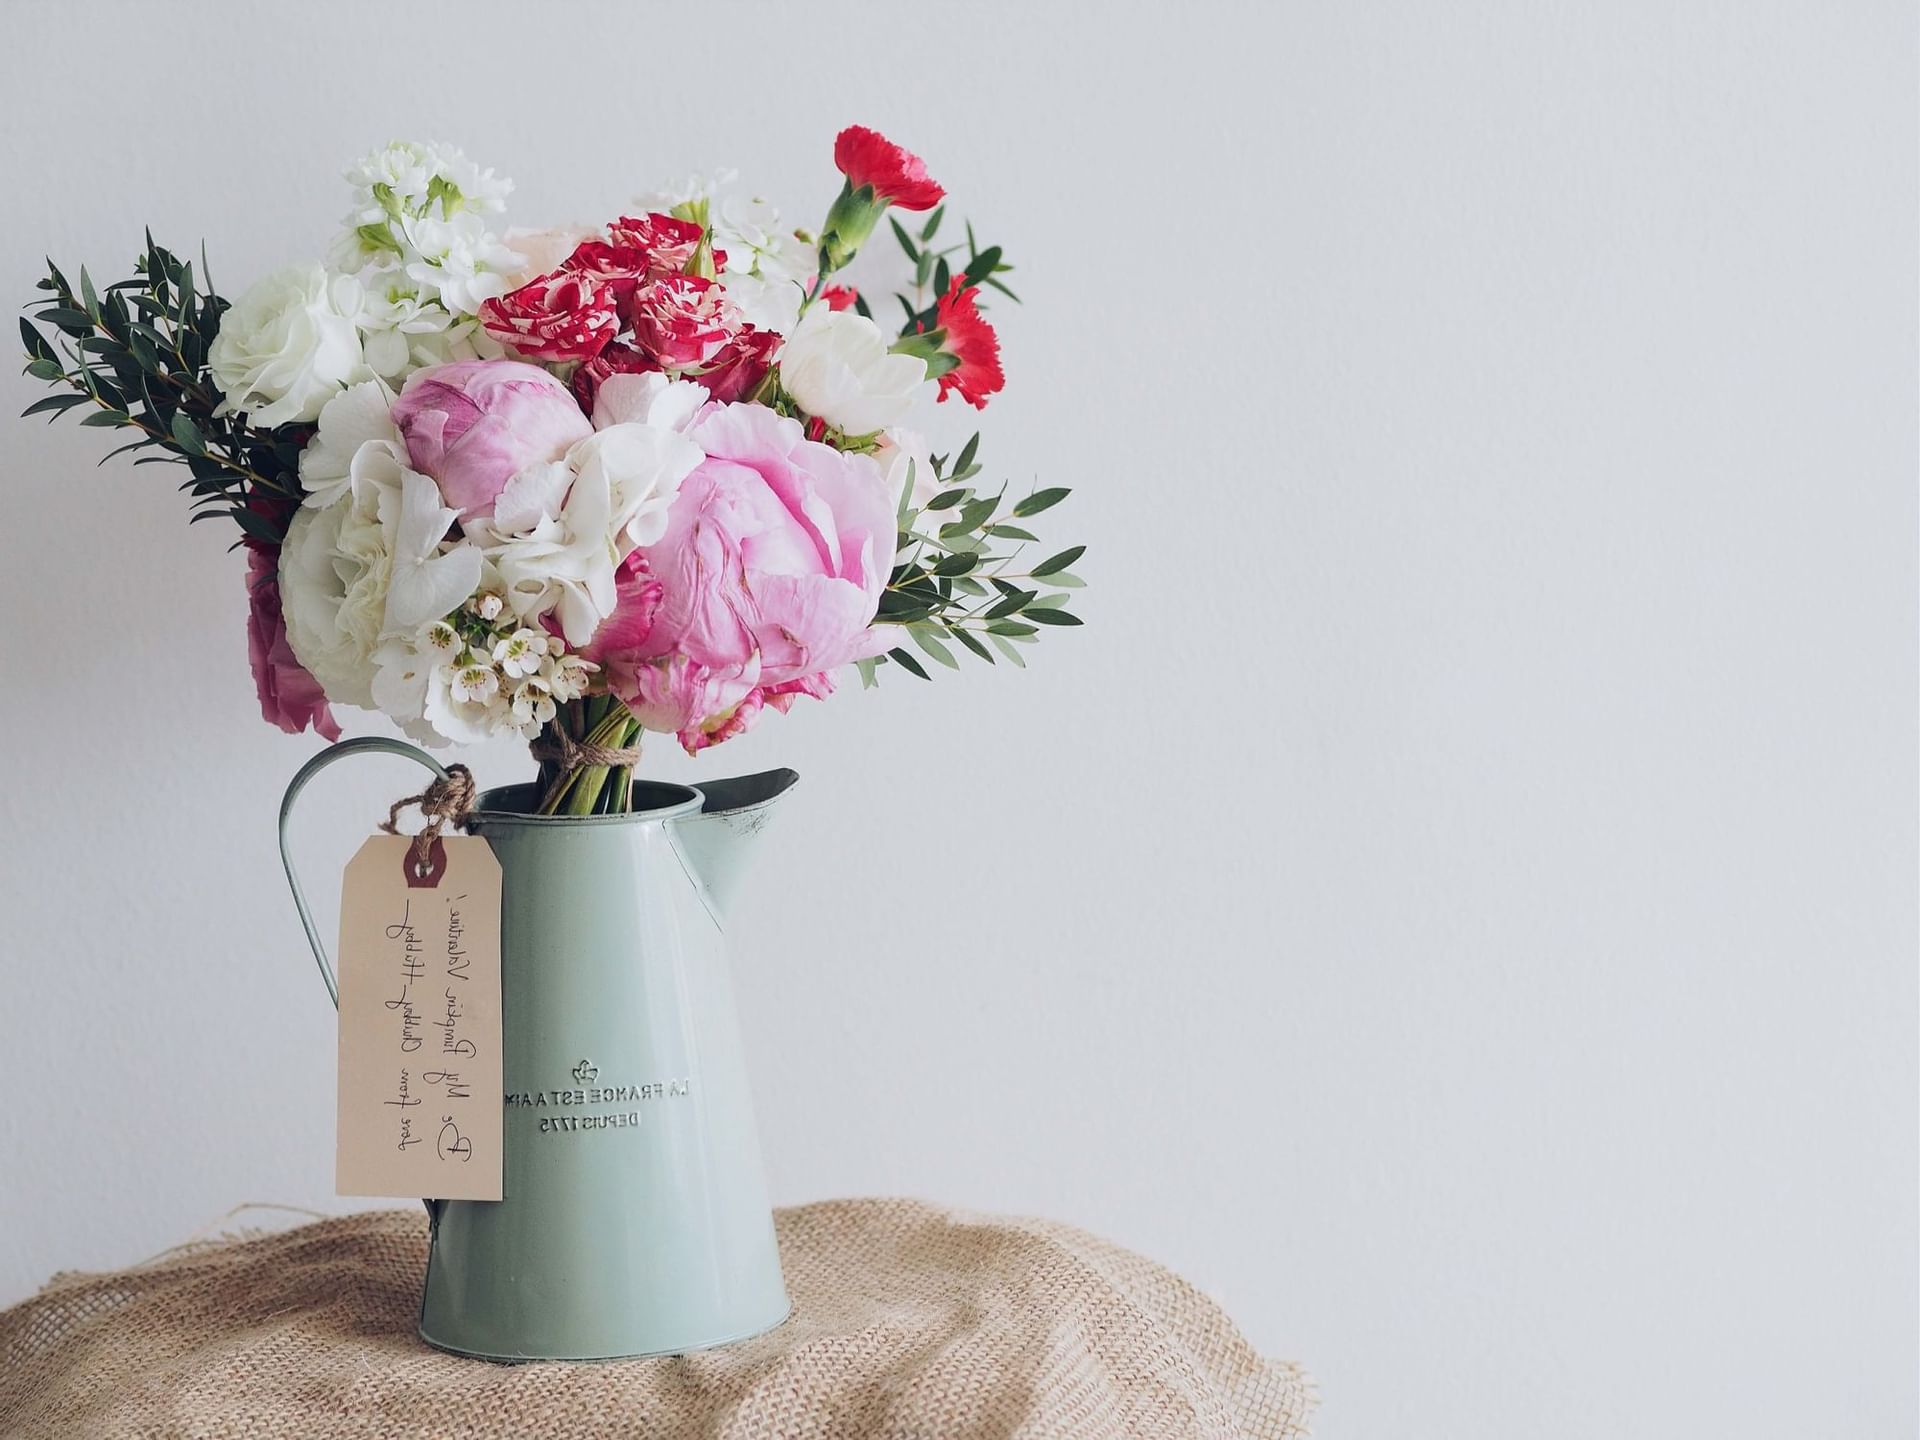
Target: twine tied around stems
{"points": [[444, 802], [557, 747]]}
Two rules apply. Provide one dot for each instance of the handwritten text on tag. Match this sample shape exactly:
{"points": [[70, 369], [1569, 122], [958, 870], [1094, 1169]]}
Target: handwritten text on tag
{"points": [[420, 1112]]}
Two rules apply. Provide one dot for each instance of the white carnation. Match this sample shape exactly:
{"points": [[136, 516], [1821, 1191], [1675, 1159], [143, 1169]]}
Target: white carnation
{"points": [[365, 569], [836, 364], [289, 346]]}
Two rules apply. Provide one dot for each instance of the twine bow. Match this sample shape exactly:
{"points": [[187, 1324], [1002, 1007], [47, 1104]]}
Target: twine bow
{"points": [[444, 802]]}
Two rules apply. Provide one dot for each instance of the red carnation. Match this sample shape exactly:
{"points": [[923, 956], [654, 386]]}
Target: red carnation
{"points": [[868, 158], [970, 344], [562, 316], [840, 297]]}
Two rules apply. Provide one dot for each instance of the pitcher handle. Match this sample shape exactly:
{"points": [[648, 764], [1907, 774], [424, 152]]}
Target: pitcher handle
{"points": [[368, 745]]}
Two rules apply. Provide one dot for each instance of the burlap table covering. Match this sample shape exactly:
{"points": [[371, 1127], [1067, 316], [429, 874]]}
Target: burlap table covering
{"points": [[909, 1320]]}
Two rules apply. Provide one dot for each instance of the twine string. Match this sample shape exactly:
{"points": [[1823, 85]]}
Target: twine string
{"points": [[445, 802], [569, 754]]}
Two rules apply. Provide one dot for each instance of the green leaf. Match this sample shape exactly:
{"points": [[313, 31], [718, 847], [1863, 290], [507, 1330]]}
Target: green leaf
{"points": [[187, 435], [74, 322], [928, 640], [48, 370], [1041, 500], [87, 298], [36, 343], [866, 668], [1010, 627], [904, 659], [1054, 563], [941, 276], [1066, 580], [933, 223], [956, 564], [1042, 615], [982, 265], [973, 643], [58, 404], [1005, 647], [906, 240], [1011, 532], [108, 417], [1008, 605], [965, 461], [947, 499]]}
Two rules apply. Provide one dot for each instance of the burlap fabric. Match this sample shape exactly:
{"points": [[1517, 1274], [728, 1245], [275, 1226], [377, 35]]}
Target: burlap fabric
{"points": [[909, 1321]]}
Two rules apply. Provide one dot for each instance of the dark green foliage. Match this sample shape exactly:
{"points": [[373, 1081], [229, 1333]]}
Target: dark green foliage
{"points": [[137, 354]]}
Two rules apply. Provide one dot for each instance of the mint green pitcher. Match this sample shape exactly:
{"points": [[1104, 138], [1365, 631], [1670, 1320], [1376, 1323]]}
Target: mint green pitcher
{"points": [[635, 1219]]}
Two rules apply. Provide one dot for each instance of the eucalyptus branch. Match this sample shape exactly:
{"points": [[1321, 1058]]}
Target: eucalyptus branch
{"points": [[952, 579], [137, 353]]}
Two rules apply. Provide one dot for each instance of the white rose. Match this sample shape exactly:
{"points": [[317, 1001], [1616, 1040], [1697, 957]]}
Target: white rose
{"points": [[837, 366], [289, 346]]}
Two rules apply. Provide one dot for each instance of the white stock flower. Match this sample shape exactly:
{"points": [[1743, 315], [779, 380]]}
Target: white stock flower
{"points": [[837, 366], [289, 346], [767, 268], [421, 211]]}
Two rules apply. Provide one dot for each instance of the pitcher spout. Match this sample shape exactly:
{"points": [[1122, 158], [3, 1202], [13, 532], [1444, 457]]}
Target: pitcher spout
{"points": [[718, 841]]}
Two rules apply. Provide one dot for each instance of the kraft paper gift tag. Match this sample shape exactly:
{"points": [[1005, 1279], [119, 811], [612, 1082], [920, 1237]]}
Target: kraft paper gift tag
{"points": [[420, 1108]]}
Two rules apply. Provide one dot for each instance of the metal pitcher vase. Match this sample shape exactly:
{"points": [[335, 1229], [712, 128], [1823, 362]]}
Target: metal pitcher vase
{"points": [[635, 1219]]}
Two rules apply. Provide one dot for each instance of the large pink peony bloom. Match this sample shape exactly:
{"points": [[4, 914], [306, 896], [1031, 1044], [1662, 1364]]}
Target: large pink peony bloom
{"points": [[776, 551], [474, 424], [289, 696]]}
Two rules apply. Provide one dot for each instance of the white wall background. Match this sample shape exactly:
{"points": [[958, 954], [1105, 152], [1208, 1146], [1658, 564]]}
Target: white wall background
{"points": [[1456, 898]]}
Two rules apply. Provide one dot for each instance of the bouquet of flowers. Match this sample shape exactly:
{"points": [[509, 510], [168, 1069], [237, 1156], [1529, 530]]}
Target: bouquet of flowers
{"points": [[577, 484]]}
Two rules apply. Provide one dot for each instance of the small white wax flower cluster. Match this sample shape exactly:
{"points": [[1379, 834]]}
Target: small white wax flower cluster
{"points": [[477, 674]]}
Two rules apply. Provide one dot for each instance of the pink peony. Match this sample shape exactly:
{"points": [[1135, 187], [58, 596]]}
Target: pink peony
{"points": [[474, 424], [776, 552], [289, 696]]}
